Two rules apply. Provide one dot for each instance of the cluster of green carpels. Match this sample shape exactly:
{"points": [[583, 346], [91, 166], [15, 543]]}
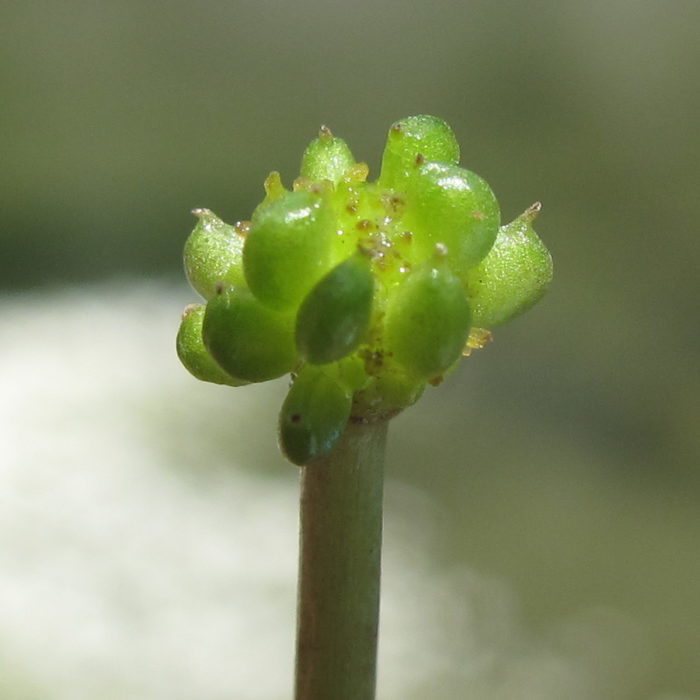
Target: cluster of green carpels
{"points": [[363, 291]]}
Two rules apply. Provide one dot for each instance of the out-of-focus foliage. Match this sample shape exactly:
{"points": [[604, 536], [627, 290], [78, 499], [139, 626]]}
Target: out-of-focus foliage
{"points": [[568, 462]]}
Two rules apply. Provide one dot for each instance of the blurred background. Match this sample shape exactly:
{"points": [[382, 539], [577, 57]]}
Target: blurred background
{"points": [[542, 505]]}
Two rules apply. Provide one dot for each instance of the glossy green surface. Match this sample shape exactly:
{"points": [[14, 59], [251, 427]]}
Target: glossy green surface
{"points": [[313, 416], [248, 339], [334, 318], [450, 205], [194, 355], [288, 248], [428, 322]]}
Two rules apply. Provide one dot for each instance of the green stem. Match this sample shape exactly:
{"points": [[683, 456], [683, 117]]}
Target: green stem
{"points": [[339, 569]]}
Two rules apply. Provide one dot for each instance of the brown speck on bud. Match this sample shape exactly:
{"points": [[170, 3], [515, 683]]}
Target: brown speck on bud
{"points": [[436, 381], [396, 129], [374, 360], [219, 289], [242, 228], [363, 224], [396, 202], [420, 159], [351, 209], [479, 215], [324, 132], [295, 418]]}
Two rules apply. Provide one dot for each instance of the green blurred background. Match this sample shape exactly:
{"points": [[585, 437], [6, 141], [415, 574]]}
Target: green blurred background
{"points": [[565, 457]]}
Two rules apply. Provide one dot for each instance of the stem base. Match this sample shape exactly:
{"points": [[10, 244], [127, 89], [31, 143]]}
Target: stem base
{"points": [[340, 566]]}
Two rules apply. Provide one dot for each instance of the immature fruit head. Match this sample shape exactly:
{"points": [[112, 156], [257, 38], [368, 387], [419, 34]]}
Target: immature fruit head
{"points": [[364, 291]]}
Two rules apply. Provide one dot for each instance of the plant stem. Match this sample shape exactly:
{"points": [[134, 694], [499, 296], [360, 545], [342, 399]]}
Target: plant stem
{"points": [[339, 568]]}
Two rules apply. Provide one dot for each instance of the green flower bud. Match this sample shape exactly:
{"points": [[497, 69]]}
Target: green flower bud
{"points": [[334, 318], [326, 158], [288, 248], [456, 207], [194, 355], [213, 253], [513, 276], [427, 321], [248, 339], [368, 290], [313, 416], [423, 135]]}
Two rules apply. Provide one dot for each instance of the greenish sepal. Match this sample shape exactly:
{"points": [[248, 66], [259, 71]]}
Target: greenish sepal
{"points": [[213, 253], [386, 394], [326, 158], [248, 339], [455, 207], [288, 248], [313, 416], [513, 276], [422, 137], [333, 319], [274, 190], [349, 372], [194, 355], [427, 321]]}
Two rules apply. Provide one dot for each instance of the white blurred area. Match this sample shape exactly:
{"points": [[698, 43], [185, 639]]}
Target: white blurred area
{"points": [[148, 538]]}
